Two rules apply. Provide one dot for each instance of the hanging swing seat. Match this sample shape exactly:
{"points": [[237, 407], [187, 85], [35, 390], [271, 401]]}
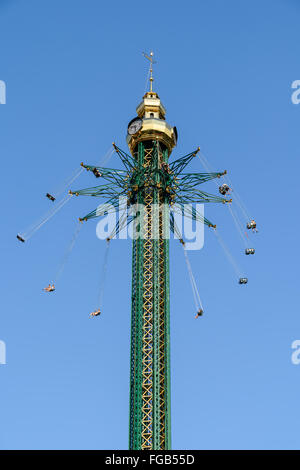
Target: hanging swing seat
{"points": [[96, 313], [251, 225], [20, 238], [224, 189], [49, 196], [249, 251], [50, 288], [199, 313]]}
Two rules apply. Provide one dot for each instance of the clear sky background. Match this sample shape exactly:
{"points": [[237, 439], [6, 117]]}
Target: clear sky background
{"points": [[75, 73]]}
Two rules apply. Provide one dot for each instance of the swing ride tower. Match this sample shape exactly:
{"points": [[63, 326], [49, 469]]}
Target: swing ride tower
{"points": [[153, 190]]}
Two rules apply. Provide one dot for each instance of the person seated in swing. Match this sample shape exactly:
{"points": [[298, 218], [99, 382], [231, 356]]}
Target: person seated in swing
{"points": [[95, 314], [96, 173], [224, 189], [49, 288], [252, 225], [199, 313], [49, 196]]}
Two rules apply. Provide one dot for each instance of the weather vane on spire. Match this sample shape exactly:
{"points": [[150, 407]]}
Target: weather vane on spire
{"points": [[150, 58]]}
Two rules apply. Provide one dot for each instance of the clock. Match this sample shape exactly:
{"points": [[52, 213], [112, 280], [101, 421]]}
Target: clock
{"points": [[135, 125]]}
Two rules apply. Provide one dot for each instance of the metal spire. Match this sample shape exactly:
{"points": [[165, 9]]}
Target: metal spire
{"points": [[150, 58]]}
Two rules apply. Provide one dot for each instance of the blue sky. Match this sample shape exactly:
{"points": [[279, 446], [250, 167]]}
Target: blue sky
{"points": [[74, 74]]}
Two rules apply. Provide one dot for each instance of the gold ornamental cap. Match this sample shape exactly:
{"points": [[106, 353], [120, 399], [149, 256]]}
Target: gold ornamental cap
{"points": [[153, 115]]}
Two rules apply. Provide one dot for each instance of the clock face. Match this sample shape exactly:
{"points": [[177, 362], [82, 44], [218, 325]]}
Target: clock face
{"points": [[135, 125]]}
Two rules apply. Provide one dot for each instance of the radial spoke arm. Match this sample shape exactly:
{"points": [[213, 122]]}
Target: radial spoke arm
{"points": [[190, 195], [113, 205], [110, 174], [178, 165], [193, 179], [127, 160], [103, 190], [192, 213]]}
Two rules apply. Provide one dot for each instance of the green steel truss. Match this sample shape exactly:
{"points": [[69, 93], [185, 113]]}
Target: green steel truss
{"points": [[150, 344], [151, 183]]}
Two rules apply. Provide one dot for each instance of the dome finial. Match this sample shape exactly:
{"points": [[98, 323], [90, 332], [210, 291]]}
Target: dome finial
{"points": [[150, 58]]}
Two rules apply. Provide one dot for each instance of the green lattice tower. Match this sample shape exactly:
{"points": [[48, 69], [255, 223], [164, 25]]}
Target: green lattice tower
{"points": [[150, 426]]}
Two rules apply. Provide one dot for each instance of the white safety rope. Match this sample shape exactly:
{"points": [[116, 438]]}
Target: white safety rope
{"points": [[228, 254], [67, 252], [197, 299], [37, 225]]}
